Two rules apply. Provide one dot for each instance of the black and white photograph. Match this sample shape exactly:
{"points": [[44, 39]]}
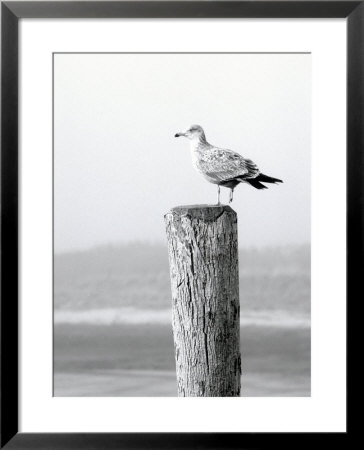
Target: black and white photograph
{"points": [[182, 224]]}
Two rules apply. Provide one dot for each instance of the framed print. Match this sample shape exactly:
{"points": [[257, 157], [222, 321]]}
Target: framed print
{"points": [[116, 300]]}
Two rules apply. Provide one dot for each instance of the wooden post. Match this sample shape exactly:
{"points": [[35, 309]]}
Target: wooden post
{"points": [[203, 258]]}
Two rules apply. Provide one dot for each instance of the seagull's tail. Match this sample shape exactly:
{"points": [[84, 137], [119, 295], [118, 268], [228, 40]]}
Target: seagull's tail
{"points": [[255, 183], [266, 179]]}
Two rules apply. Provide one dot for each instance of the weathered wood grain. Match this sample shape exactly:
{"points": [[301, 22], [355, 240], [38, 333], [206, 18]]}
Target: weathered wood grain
{"points": [[203, 257]]}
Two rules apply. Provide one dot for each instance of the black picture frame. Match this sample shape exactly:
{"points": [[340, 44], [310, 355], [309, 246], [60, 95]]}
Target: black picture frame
{"points": [[353, 11]]}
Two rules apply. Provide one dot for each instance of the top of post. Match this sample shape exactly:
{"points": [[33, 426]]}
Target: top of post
{"points": [[205, 212]]}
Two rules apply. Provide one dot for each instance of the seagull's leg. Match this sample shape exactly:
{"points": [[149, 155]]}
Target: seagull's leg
{"points": [[218, 195], [231, 195]]}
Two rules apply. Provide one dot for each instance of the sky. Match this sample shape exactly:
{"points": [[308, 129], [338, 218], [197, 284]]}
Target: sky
{"points": [[118, 167]]}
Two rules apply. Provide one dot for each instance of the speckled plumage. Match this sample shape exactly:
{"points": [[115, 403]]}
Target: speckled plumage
{"points": [[219, 165]]}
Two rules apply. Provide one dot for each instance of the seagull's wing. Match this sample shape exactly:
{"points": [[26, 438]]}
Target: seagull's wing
{"points": [[223, 165]]}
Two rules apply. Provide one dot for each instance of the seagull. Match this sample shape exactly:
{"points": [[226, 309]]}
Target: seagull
{"points": [[221, 166]]}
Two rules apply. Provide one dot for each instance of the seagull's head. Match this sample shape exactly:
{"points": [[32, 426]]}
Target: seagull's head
{"points": [[194, 132]]}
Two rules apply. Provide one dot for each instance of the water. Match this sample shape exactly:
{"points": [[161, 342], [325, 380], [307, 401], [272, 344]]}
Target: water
{"points": [[128, 360], [112, 330]]}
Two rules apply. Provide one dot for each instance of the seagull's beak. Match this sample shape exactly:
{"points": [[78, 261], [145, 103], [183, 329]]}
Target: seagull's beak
{"points": [[177, 135]]}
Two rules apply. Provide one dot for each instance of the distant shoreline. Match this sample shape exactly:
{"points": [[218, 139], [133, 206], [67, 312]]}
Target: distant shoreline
{"points": [[138, 316], [161, 244]]}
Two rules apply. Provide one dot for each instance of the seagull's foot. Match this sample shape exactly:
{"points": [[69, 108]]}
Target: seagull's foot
{"points": [[231, 196]]}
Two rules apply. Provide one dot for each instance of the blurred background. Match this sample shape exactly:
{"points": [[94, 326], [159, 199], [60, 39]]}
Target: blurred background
{"points": [[118, 170]]}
